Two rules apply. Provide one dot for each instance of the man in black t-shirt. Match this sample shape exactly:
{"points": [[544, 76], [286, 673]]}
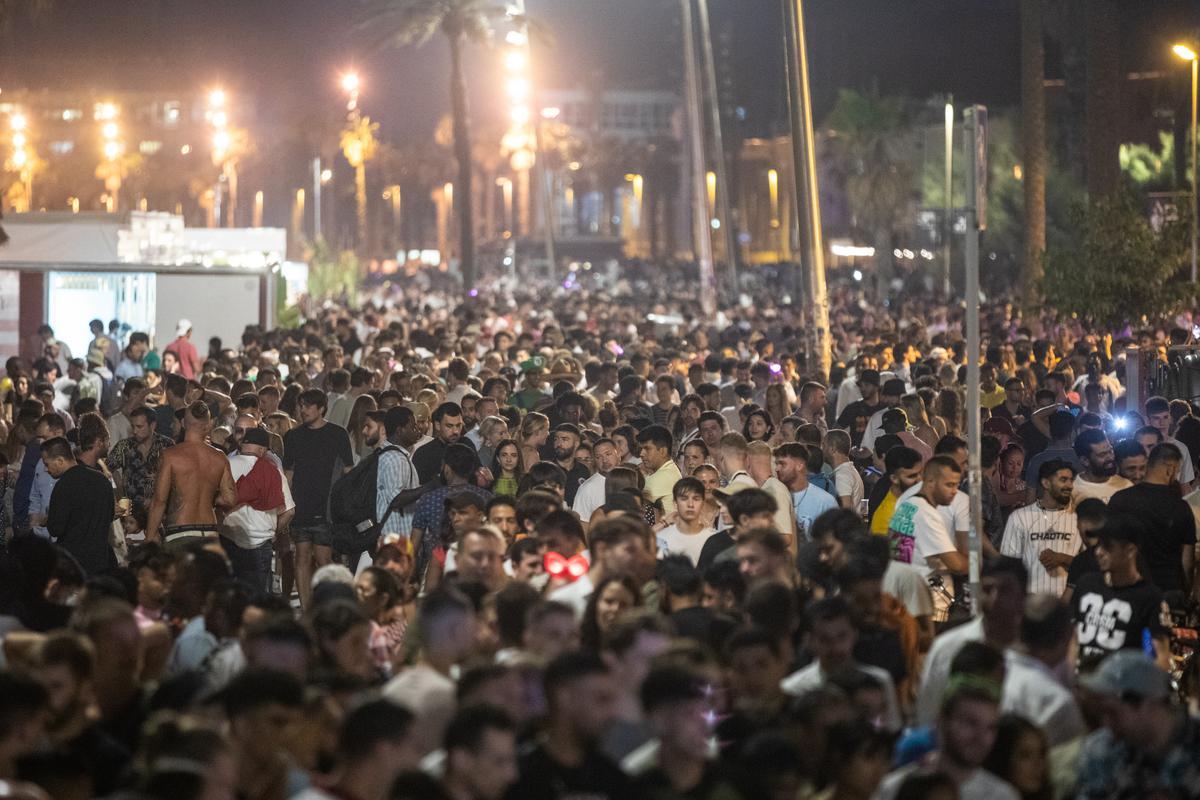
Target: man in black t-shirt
{"points": [[81, 509], [447, 429], [1090, 516], [1117, 609], [855, 416], [314, 455], [566, 442], [581, 701], [1170, 548]]}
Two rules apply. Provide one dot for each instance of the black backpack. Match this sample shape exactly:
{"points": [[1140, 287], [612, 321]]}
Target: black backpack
{"points": [[352, 506]]}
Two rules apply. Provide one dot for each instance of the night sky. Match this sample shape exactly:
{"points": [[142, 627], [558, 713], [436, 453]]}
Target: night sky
{"points": [[288, 52]]}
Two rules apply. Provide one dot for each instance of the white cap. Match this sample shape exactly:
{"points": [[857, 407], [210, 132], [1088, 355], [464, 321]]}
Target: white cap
{"points": [[183, 327]]}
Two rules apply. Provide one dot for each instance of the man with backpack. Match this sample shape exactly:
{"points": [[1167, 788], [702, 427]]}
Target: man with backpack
{"points": [[372, 503]]}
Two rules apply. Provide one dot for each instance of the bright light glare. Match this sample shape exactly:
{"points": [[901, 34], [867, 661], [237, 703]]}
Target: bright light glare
{"points": [[216, 98], [1184, 52], [19, 158], [111, 150], [220, 119], [515, 38], [520, 114], [852, 251], [857, 275], [326, 175], [187, 148], [518, 88], [18, 122], [19, 139], [111, 130], [551, 113], [350, 82], [221, 141], [514, 61]]}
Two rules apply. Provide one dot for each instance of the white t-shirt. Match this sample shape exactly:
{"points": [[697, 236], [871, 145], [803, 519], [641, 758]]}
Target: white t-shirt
{"points": [[1186, 473], [575, 595], [918, 532], [936, 672], [589, 497], [849, 483], [982, 785], [245, 526], [1032, 529], [672, 541], [812, 677], [1032, 690], [957, 514], [906, 583], [1085, 489]]}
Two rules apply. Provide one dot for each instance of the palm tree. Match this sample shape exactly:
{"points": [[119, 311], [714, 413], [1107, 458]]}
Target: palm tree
{"points": [[403, 22], [869, 141], [1103, 106], [1033, 145]]}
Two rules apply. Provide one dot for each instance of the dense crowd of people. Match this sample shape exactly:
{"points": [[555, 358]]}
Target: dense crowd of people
{"points": [[576, 541]]}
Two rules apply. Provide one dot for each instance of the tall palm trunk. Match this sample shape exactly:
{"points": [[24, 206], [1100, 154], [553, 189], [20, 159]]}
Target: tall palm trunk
{"points": [[1103, 98], [1033, 144], [462, 153]]}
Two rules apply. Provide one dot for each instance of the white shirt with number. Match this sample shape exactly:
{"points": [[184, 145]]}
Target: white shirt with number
{"points": [[1032, 529]]}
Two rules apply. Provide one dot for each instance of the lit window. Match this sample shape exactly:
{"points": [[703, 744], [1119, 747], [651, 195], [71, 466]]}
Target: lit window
{"points": [[71, 114], [62, 148], [149, 148]]}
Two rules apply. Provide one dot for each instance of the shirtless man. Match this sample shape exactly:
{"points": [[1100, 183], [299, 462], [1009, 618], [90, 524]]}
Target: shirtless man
{"points": [[195, 477]]}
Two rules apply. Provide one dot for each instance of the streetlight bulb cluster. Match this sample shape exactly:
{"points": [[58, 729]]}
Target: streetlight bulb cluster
{"points": [[110, 131], [218, 117], [518, 89], [351, 84]]}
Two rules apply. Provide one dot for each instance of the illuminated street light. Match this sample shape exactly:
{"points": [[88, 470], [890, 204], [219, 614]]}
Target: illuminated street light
{"points": [[221, 140], [112, 150], [1184, 52], [19, 140], [18, 122], [326, 175], [217, 98], [20, 158], [110, 130], [350, 82]]}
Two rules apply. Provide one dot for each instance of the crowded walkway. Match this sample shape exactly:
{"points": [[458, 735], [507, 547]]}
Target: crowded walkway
{"points": [[574, 540]]}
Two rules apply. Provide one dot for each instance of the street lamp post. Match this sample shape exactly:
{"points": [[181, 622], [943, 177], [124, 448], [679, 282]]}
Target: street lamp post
{"points": [[1189, 54]]}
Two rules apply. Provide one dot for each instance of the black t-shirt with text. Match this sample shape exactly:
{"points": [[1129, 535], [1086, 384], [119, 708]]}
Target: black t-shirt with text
{"points": [[1112, 618], [316, 456]]}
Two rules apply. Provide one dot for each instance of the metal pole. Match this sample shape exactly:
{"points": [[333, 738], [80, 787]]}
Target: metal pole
{"points": [[701, 229], [808, 197], [975, 118], [316, 199], [724, 190], [1195, 67], [948, 222]]}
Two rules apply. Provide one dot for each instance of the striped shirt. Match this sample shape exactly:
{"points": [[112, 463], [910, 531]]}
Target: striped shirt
{"points": [[1032, 529], [396, 473]]}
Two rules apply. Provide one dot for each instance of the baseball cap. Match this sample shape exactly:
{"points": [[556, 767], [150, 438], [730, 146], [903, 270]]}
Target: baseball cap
{"points": [[462, 500], [535, 364], [894, 387], [182, 327], [1128, 672], [870, 376], [258, 436]]}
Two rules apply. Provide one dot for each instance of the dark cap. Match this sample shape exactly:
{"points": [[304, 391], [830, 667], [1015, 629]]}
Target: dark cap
{"points": [[395, 417], [462, 500], [893, 387], [568, 427], [870, 376], [258, 436]]}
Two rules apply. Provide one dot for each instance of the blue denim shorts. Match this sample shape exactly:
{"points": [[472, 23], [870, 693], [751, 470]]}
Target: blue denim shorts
{"points": [[317, 531]]}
